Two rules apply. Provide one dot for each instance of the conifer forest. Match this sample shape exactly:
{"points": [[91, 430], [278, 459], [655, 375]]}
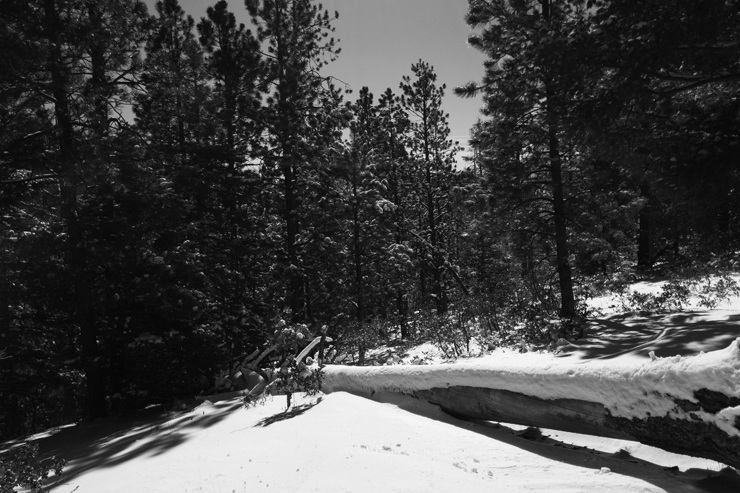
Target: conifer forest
{"points": [[176, 193]]}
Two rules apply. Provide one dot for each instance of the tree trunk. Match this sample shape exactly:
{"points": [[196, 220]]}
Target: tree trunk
{"points": [[644, 242], [401, 297], [567, 299], [357, 249], [437, 285], [681, 436], [78, 261], [295, 279], [76, 254], [402, 307], [98, 80], [286, 129], [662, 403], [5, 314]]}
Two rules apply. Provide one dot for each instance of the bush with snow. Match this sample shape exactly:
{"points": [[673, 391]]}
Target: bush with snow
{"points": [[295, 371], [22, 467], [706, 291]]}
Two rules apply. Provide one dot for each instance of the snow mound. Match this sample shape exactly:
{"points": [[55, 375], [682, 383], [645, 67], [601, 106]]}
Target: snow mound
{"points": [[345, 443]]}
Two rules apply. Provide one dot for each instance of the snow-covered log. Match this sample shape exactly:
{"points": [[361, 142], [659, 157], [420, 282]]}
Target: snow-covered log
{"points": [[688, 405]]}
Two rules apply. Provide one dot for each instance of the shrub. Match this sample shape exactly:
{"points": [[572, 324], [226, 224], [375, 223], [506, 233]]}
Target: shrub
{"points": [[673, 296], [293, 374], [711, 290], [715, 290], [449, 331], [21, 466]]}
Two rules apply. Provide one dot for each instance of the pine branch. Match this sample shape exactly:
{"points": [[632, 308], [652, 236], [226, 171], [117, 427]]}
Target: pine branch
{"points": [[29, 179]]}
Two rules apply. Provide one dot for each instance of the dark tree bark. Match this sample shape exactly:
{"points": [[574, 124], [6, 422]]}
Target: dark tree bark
{"points": [[357, 251], [295, 278], [697, 438], [565, 279], [422, 99], [76, 255], [644, 241], [567, 299]]}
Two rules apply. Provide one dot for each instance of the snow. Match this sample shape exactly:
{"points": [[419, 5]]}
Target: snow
{"points": [[626, 389], [391, 442], [726, 419], [345, 443], [610, 304]]}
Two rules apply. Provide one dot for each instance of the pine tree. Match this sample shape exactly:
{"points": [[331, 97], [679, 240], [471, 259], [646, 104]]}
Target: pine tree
{"points": [[299, 114], [170, 109], [531, 76], [235, 227], [367, 219], [85, 56], [233, 61], [653, 69], [395, 171], [433, 157]]}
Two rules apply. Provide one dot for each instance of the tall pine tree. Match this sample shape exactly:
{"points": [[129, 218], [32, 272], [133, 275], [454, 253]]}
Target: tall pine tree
{"points": [[433, 156], [531, 76], [298, 115]]}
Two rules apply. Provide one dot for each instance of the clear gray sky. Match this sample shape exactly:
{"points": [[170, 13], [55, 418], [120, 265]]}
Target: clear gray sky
{"points": [[380, 39]]}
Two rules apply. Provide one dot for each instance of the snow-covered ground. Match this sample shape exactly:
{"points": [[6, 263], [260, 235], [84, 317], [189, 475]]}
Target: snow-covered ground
{"points": [[610, 304], [344, 443], [340, 442]]}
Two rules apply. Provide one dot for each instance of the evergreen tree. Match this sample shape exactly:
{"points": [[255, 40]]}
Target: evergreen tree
{"points": [[233, 62], [170, 109], [433, 156], [531, 78], [234, 230], [658, 76], [198, 116], [300, 115], [366, 221], [85, 56], [395, 172]]}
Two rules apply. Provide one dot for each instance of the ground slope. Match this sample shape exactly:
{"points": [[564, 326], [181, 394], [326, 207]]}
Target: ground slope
{"points": [[353, 444], [343, 443]]}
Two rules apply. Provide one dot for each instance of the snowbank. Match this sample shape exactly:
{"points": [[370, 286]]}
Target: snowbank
{"points": [[343, 443]]}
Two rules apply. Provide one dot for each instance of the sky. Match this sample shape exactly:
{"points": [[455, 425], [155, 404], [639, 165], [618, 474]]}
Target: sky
{"points": [[381, 39]]}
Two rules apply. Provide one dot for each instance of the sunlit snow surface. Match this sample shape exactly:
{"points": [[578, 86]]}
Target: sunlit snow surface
{"points": [[346, 443]]}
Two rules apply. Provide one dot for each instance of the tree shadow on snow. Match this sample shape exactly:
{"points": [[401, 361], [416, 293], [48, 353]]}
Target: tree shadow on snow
{"points": [[534, 441], [111, 441], [288, 413], [683, 334]]}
